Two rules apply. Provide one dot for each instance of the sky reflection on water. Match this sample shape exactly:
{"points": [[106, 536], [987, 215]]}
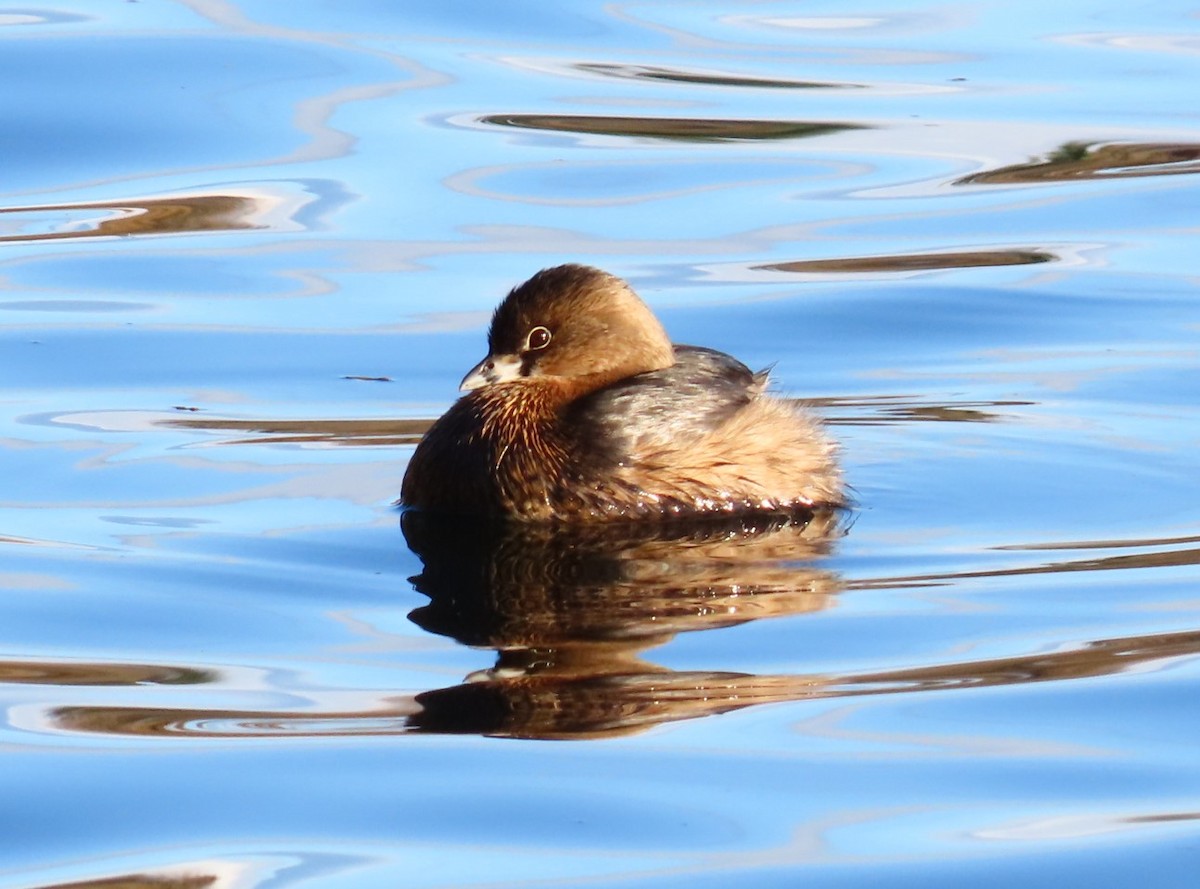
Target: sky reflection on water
{"points": [[248, 249]]}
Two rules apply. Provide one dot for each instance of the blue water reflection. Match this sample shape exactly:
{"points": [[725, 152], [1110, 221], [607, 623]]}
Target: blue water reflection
{"points": [[247, 250]]}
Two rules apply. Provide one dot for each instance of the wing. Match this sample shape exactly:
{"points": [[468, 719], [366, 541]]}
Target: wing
{"points": [[698, 393]]}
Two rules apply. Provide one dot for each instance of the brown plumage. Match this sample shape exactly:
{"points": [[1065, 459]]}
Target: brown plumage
{"points": [[584, 411]]}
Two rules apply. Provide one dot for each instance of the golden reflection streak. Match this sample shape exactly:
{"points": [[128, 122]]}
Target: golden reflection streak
{"points": [[680, 75], [886, 410], [1101, 544], [72, 673], [139, 881], [1083, 160], [151, 216], [1160, 559], [343, 432], [894, 410], [1162, 818], [915, 261], [672, 128]]}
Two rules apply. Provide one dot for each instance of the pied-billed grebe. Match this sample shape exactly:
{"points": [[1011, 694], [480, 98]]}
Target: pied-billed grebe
{"points": [[584, 411]]}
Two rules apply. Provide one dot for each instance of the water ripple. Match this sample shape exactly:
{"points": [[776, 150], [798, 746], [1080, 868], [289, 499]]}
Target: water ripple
{"points": [[557, 700]]}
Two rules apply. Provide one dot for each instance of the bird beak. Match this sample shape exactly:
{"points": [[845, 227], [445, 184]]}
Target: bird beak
{"points": [[493, 369]]}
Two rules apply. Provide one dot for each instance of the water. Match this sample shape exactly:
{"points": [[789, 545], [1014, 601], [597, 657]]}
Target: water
{"points": [[247, 249]]}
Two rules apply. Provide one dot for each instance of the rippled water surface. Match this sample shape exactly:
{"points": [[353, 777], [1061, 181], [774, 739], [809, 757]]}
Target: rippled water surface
{"points": [[247, 250]]}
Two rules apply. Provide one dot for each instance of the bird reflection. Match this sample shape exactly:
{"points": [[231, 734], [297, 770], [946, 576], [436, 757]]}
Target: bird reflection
{"points": [[570, 610], [512, 586], [569, 615]]}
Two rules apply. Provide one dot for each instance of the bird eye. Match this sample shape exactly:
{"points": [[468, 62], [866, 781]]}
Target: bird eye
{"points": [[539, 338]]}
